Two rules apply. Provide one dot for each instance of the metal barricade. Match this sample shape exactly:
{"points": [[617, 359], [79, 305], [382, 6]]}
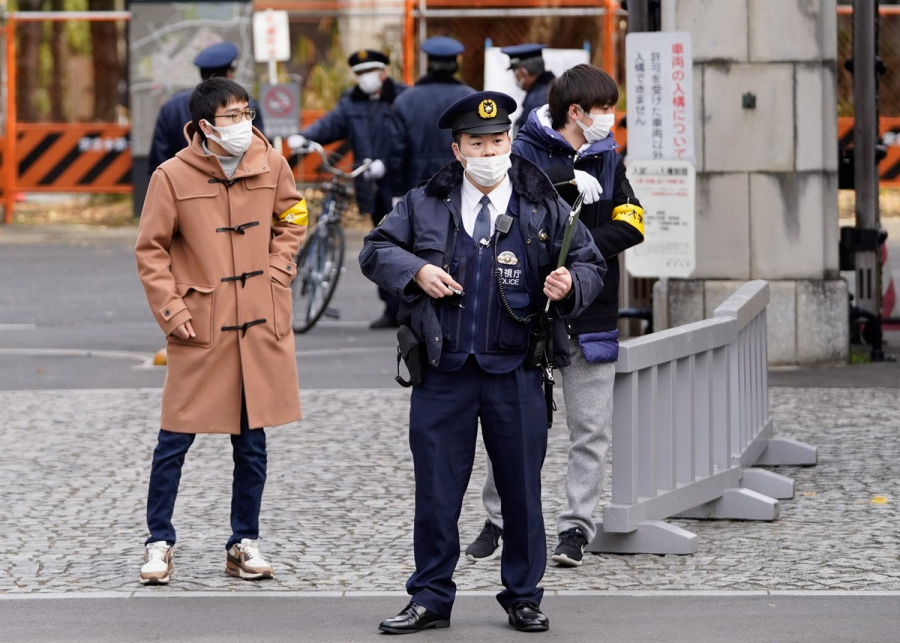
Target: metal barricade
{"points": [[690, 419]]}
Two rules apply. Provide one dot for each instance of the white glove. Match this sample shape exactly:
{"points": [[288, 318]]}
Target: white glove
{"points": [[297, 142], [588, 186], [395, 200], [376, 171]]}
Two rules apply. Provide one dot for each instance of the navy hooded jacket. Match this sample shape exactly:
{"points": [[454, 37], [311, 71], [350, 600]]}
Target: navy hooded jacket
{"points": [[425, 224], [546, 148], [371, 127]]}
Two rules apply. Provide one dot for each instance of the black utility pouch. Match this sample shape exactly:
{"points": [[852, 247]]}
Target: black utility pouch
{"points": [[412, 352], [537, 345]]}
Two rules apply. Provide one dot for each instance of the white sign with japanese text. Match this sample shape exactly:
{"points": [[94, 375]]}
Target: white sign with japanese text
{"points": [[271, 36], [666, 190], [660, 82]]}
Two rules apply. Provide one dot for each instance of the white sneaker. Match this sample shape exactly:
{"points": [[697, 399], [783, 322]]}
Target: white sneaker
{"points": [[157, 563], [245, 561]]}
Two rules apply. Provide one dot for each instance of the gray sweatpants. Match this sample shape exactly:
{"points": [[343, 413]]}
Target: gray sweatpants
{"points": [[588, 395]]}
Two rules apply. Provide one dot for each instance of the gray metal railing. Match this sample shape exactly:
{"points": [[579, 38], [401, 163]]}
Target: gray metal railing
{"points": [[690, 419]]}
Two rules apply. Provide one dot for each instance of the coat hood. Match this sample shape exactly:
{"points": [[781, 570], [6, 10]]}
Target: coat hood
{"points": [[538, 132], [527, 180], [254, 161]]}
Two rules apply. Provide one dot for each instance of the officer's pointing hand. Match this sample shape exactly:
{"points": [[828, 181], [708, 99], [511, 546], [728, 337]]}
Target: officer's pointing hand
{"points": [[435, 282], [558, 284]]}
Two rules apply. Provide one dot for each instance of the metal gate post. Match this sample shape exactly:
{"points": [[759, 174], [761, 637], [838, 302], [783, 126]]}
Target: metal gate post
{"points": [[9, 153]]}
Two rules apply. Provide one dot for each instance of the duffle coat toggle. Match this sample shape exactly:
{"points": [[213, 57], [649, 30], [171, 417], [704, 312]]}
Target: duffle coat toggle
{"points": [[239, 228], [243, 277]]}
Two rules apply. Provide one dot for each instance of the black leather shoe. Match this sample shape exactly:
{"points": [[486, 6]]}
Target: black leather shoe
{"points": [[385, 321], [413, 618], [526, 616]]}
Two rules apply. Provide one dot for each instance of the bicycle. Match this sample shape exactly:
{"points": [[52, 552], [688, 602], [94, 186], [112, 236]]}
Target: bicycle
{"points": [[321, 258]]}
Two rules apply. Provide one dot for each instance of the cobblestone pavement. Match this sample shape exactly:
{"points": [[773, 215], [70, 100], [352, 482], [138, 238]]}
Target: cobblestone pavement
{"points": [[337, 514]]}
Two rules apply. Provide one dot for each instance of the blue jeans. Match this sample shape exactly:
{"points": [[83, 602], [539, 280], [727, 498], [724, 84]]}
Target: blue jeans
{"points": [[249, 453]]}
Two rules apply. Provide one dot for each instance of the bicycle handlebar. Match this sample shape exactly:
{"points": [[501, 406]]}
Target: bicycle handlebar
{"points": [[312, 146]]}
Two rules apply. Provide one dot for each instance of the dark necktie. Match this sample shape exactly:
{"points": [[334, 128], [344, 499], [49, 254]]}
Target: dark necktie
{"points": [[483, 221]]}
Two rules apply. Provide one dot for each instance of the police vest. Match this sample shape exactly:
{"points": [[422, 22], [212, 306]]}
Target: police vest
{"points": [[478, 323]]}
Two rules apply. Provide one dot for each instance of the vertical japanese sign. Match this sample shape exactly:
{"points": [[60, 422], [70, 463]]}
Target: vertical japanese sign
{"points": [[666, 192], [660, 83]]}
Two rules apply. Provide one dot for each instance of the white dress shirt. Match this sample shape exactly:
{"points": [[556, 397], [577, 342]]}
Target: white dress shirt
{"points": [[471, 202]]}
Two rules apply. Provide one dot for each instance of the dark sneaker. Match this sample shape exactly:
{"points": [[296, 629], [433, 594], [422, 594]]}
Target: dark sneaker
{"points": [[487, 545], [570, 550]]}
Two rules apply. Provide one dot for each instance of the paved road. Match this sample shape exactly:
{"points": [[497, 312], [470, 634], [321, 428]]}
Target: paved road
{"points": [[79, 420], [74, 311], [573, 619]]}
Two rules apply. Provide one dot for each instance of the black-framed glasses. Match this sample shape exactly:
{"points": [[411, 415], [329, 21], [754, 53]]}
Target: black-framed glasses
{"points": [[237, 117]]}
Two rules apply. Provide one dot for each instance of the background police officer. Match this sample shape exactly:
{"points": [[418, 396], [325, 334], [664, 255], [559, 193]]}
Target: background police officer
{"points": [[168, 135], [472, 256], [422, 148], [365, 117], [527, 64]]}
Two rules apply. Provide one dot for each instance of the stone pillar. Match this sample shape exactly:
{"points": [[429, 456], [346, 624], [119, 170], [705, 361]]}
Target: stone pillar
{"points": [[766, 176]]}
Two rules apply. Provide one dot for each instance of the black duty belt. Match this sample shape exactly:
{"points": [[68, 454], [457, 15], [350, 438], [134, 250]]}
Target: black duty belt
{"points": [[243, 327], [243, 277], [239, 228]]}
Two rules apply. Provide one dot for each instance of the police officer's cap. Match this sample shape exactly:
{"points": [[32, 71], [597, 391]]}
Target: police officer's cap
{"points": [[367, 60], [479, 113], [442, 47], [219, 55], [518, 53]]}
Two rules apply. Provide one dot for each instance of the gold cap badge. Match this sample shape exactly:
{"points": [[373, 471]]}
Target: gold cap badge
{"points": [[487, 108], [362, 54]]}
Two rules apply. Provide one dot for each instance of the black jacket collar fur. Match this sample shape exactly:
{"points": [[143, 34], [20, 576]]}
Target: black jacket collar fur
{"points": [[527, 180]]}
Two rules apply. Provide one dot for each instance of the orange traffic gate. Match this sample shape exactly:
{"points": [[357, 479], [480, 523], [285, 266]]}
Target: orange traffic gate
{"points": [[889, 131], [72, 157]]}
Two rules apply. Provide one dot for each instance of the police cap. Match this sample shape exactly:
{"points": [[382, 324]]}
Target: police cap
{"points": [[518, 53], [219, 55], [367, 60], [479, 113], [442, 47]]}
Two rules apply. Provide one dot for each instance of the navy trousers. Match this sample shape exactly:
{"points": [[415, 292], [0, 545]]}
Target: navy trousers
{"points": [[443, 431], [250, 462]]}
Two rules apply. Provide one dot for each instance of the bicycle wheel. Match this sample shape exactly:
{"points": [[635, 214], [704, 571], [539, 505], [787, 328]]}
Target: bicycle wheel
{"points": [[318, 270]]}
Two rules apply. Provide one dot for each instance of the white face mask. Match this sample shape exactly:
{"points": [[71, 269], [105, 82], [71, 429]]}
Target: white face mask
{"points": [[600, 127], [234, 139], [487, 170], [370, 82]]}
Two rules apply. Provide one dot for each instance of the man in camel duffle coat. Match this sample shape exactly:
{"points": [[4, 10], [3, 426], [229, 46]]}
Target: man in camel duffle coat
{"points": [[221, 225]]}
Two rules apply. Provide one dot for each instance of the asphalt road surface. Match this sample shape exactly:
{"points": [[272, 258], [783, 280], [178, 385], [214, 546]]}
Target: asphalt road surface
{"points": [[73, 315], [573, 619]]}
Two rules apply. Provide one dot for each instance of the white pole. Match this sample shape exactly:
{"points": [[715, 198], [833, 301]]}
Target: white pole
{"points": [[273, 80]]}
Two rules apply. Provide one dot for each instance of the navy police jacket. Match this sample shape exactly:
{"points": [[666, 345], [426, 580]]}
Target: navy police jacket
{"points": [[370, 126], [168, 135], [423, 149], [612, 228], [534, 98], [425, 227]]}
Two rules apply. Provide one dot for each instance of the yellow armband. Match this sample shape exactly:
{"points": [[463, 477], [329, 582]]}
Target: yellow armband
{"points": [[631, 214], [296, 214]]}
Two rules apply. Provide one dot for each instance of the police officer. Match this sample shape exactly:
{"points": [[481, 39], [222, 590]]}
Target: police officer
{"points": [[481, 232], [526, 62], [423, 149], [168, 135], [365, 117]]}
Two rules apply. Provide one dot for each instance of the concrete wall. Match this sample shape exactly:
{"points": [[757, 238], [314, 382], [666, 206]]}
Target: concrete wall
{"points": [[766, 177]]}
